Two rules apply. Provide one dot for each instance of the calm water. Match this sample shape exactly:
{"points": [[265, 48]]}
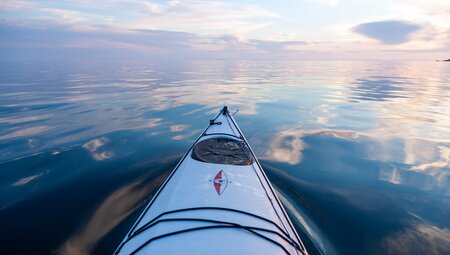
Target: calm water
{"points": [[358, 151]]}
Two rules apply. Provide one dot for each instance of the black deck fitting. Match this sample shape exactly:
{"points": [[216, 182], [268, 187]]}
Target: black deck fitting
{"points": [[225, 110]]}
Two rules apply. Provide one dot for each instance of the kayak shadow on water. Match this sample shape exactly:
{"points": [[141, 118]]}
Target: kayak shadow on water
{"points": [[315, 241], [110, 220]]}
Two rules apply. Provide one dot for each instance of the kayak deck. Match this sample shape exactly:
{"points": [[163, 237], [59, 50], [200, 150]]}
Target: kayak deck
{"points": [[217, 200]]}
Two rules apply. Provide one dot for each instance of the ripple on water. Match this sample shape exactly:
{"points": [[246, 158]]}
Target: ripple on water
{"points": [[359, 151]]}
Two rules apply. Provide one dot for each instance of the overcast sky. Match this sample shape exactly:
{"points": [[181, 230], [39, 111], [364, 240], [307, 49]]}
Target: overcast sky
{"points": [[283, 29]]}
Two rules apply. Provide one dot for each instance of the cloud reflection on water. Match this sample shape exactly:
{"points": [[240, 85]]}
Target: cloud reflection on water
{"points": [[421, 156], [382, 127], [418, 239], [25, 132], [94, 147], [28, 179], [178, 128], [115, 208], [287, 146]]}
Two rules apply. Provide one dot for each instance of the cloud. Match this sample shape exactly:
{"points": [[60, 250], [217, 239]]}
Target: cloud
{"points": [[388, 32], [326, 2], [201, 17], [221, 30], [108, 41], [77, 41], [272, 45], [205, 17]]}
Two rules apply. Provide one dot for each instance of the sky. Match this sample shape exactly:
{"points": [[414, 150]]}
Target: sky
{"points": [[283, 29]]}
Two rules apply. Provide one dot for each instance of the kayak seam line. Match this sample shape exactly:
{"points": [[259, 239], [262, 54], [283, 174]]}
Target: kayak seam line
{"points": [[229, 124]]}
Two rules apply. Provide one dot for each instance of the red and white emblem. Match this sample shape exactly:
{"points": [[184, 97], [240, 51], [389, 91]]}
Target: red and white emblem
{"points": [[220, 182]]}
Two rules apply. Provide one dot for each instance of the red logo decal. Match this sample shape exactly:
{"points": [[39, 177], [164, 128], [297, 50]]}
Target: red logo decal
{"points": [[220, 182]]}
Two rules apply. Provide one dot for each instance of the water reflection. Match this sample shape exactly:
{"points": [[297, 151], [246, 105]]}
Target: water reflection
{"points": [[184, 136], [359, 151], [28, 179], [114, 209], [26, 132], [287, 147], [379, 89], [429, 161], [178, 128], [433, 240], [94, 146]]}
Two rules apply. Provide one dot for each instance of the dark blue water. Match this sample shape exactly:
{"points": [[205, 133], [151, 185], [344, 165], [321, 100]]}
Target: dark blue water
{"points": [[359, 152]]}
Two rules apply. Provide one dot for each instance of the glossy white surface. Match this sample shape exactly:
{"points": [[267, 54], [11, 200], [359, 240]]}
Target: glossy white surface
{"points": [[192, 185]]}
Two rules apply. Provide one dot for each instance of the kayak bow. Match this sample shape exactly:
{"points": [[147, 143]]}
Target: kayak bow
{"points": [[217, 200]]}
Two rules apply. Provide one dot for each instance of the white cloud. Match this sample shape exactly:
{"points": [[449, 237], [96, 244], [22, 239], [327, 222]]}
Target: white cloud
{"points": [[327, 2], [253, 28], [435, 12], [205, 17]]}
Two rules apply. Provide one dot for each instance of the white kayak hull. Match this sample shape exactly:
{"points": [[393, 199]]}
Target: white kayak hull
{"points": [[215, 202]]}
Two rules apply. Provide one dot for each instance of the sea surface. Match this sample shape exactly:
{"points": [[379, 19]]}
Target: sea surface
{"points": [[359, 152]]}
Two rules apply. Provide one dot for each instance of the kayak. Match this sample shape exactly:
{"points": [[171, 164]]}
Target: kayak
{"points": [[217, 200]]}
